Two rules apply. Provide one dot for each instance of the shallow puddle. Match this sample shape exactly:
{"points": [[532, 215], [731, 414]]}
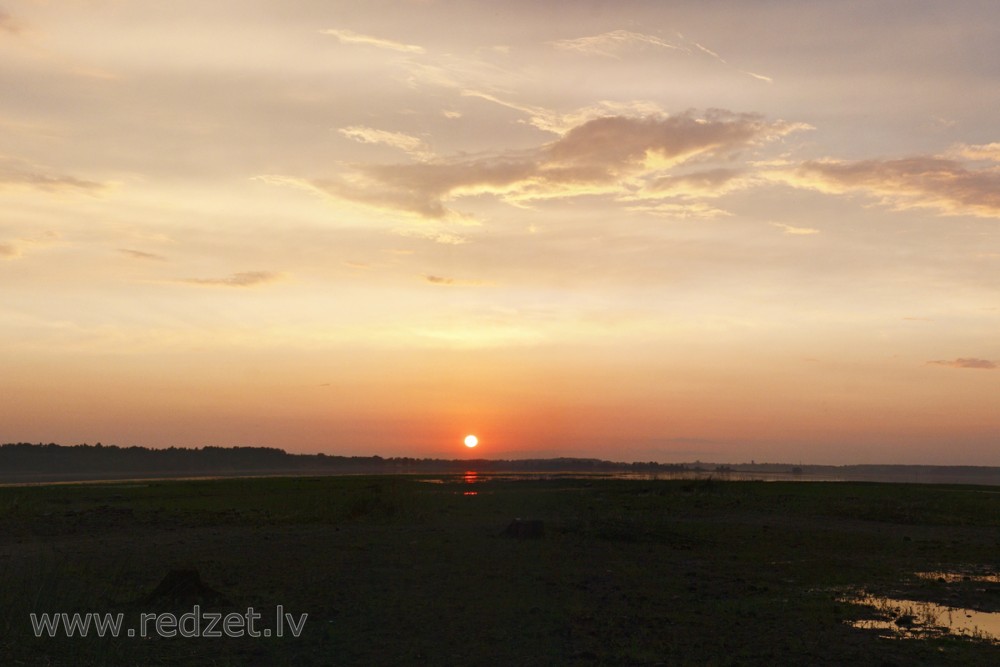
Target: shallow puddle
{"points": [[911, 619], [953, 577]]}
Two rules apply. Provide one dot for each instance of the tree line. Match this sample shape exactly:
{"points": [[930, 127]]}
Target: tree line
{"points": [[29, 461]]}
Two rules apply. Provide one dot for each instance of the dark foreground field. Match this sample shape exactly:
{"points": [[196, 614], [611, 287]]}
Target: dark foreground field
{"points": [[395, 571]]}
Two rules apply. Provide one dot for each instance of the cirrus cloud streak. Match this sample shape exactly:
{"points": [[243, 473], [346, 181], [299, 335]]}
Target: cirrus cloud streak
{"points": [[351, 37], [404, 142], [611, 43], [964, 362], [241, 279], [15, 172]]}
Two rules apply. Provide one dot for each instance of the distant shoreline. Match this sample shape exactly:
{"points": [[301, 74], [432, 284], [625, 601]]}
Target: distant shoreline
{"points": [[27, 463]]}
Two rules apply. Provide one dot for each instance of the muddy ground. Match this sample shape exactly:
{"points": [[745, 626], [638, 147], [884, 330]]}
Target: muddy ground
{"points": [[397, 570]]}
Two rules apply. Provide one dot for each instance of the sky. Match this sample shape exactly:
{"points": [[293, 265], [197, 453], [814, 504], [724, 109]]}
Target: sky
{"points": [[694, 230]]}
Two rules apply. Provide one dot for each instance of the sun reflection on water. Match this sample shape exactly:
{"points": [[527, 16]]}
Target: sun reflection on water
{"points": [[470, 477]]}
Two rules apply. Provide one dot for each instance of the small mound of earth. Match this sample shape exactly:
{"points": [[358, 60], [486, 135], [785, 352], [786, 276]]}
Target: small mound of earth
{"points": [[184, 587]]}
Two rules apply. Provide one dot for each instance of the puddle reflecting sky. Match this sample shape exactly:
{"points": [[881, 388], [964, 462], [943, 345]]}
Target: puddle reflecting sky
{"points": [[952, 577], [914, 619]]}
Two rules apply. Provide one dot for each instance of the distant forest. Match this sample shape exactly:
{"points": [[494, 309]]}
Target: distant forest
{"points": [[26, 462]]}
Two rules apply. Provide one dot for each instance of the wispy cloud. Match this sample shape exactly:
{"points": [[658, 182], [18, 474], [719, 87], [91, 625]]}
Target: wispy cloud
{"points": [[712, 54], [423, 189], [617, 42], [944, 185], [457, 282], [17, 247], [560, 123], [351, 37], [610, 44], [612, 155], [984, 364], [358, 265], [404, 142], [460, 71], [435, 236], [989, 151], [9, 24], [340, 188], [139, 254], [541, 117], [243, 279], [795, 231], [15, 172], [682, 210], [705, 183]]}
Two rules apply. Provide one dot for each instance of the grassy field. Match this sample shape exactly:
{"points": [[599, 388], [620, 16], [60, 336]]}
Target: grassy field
{"points": [[396, 571]]}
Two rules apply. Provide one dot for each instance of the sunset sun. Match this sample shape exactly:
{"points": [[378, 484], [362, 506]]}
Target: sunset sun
{"points": [[471, 441]]}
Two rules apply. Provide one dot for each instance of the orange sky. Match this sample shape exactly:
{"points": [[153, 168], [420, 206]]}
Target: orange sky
{"points": [[636, 231]]}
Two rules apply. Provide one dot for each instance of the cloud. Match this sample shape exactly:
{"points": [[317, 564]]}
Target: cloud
{"points": [[460, 72], [707, 183], [444, 238], [937, 183], [17, 248], [611, 155], [441, 280], [20, 173], [541, 117], [680, 210], [139, 254], [980, 151], [561, 123], [967, 363], [9, 24], [243, 279], [618, 143], [404, 142], [712, 54], [611, 43], [350, 37], [795, 231], [422, 189]]}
